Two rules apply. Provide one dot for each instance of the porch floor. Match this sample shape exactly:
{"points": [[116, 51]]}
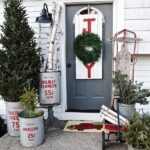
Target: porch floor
{"points": [[57, 139]]}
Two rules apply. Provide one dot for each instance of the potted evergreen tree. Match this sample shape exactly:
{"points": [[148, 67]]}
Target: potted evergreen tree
{"points": [[137, 136], [129, 94], [31, 120], [19, 60]]}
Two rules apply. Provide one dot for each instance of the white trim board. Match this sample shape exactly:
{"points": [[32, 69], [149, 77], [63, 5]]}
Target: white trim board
{"points": [[83, 1], [79, 116]]}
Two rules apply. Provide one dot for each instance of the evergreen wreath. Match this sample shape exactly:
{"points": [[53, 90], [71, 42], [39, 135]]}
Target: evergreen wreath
{"points": [[86, 41]]}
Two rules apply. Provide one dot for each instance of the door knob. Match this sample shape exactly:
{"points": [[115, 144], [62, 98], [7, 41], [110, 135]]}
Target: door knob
{"points": [[68, 65]]}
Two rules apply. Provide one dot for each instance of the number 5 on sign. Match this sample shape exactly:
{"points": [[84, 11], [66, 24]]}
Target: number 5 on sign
{"points": [[31, 136], [15, 125]]}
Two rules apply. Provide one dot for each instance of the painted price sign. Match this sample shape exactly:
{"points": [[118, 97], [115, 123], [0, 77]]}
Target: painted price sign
{"points": [[13, 118], [49, 87], [13, 109], [32, 131]]}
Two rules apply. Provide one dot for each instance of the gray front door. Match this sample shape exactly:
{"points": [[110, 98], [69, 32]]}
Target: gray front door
{"points": [[83, 94]]}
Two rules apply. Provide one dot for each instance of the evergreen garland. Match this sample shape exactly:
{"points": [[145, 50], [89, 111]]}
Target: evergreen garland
{"points": [[19, 57], [87, 40], [137, 135]]}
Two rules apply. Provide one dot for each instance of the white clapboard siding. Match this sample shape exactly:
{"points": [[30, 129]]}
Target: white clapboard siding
{"points": [[32, 3], [142, 70], [142, 48], [142, 74], [137, 3], [141, 60], [142, 78], [137, 13], [145, 35], [143, 67], [137, 19], [138, 25]]}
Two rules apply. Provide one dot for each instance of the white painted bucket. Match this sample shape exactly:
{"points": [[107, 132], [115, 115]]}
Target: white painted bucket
{"points": [[12, 111], [49, 88], [32, 131]]}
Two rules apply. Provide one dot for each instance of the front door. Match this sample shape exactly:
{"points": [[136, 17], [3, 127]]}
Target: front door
{"points": [[88, 94]]}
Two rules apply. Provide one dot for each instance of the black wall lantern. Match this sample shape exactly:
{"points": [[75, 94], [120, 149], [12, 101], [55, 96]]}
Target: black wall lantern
{"points": [[45, 17]]}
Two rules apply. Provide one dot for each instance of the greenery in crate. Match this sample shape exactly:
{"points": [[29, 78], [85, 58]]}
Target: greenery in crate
{"points": [[19, 55], [29, 101], [128, 92], [137, 135], [146, 121]]}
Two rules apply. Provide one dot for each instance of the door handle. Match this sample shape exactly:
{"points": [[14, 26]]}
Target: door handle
{"points": [[68, 65]]}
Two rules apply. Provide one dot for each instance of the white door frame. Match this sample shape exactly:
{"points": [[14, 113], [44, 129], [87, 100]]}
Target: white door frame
{"points": [[118, 24]]}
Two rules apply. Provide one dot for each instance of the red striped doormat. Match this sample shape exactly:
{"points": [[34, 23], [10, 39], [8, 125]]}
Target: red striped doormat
{"points": [[84, 126]]}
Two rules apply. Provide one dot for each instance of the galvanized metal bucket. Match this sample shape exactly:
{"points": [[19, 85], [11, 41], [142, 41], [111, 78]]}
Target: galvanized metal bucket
{"points": [[127, 110], [49, 87], [12, 111], [32, 131]]}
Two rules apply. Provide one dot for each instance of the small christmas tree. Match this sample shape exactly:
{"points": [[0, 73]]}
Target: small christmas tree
{"points": [[19, 56], [129, 93]]}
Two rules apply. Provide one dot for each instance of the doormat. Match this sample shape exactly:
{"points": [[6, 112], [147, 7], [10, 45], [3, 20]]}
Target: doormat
{"points": [[84, 126]]}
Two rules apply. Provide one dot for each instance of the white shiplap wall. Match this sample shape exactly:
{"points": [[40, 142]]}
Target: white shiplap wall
{"points": [[137, 18], [142, 74], [142, 70]]}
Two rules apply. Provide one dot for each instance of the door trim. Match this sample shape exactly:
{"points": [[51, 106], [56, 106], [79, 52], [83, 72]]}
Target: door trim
{"points": [[78, 116], [69, 2], [118, 24]]}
